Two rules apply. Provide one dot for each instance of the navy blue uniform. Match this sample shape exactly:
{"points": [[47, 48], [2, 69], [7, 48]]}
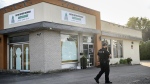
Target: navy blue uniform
{"points": [[104, 64]]}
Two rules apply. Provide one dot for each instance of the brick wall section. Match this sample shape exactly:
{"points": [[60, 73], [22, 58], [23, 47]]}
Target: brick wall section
{"points": [[36, 45], [45, 51], [52, 42]]}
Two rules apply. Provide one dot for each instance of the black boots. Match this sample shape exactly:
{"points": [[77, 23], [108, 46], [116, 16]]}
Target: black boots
{"points": [[108, 82], [97, 81]]}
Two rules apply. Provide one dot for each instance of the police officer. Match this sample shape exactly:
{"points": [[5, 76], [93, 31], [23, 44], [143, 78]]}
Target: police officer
{"points": [[104, 56]]}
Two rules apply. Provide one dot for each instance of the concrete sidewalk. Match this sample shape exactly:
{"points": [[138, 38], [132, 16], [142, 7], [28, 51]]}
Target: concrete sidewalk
{"points": [[135, 74], [145, 63]]}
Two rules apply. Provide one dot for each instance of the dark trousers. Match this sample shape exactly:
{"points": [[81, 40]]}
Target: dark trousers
{"points": [[104, 68]]}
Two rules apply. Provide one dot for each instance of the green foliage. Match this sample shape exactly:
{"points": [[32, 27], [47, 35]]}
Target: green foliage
{"points": [[132, 22], [123, 61], [146, 35], [83, 61], [142, 24], [138, 23], [129, 60], [144, 50]]}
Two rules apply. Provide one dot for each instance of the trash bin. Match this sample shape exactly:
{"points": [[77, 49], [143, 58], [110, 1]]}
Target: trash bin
{"points": [[83, 62]]}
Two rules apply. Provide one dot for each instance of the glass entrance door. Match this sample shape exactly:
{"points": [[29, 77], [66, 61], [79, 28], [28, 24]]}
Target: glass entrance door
{"points": [[26, 58], [88, 51], [19, 56]]}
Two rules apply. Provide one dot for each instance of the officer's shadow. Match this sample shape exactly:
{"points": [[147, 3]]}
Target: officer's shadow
{"points": [[103, 83]]}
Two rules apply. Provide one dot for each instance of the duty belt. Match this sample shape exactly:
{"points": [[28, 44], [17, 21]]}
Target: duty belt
{"points": [[104, 60]]}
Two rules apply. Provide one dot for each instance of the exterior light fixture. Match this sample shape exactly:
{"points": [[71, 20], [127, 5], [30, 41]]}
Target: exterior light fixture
{"points": [[132, 42], [38, 34]]}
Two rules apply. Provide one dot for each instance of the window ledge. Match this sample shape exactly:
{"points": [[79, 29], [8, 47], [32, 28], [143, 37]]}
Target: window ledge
{"points": [[69, 62]]}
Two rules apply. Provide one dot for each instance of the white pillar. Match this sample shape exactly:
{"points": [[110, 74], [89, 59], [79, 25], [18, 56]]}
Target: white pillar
{"points": [[80, 47]]}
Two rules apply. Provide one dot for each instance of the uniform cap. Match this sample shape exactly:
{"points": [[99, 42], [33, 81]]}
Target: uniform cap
{"points": [[104, 44]]}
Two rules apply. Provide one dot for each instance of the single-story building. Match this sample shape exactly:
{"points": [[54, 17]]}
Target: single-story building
{"points": [[122, 42], [44, 35]]}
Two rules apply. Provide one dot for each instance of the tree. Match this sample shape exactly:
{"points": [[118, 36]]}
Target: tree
{"points": [[132, 23], [144, 50], [146, 35], [139, 23], [142, 24]]}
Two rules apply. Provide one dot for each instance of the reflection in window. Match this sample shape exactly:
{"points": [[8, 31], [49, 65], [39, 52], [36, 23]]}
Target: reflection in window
{"points": [[69, 45], [117, 49], [120, 49], [27, 50], [88, 39], [26, 57], [85, 50], [18, 58], [11, 56], [108, 42]]}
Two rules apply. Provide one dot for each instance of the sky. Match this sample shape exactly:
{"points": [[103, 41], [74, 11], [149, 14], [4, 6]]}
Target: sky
{"points": [[115, 11]]}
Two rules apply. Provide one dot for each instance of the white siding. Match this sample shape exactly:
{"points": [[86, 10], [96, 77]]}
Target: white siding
{"points": [[133, 53], [121, 30], [110, 27]]}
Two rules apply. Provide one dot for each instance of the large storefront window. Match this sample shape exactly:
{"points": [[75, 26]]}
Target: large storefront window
{"points": [[117, 49], [108, 42], [69, 44]]}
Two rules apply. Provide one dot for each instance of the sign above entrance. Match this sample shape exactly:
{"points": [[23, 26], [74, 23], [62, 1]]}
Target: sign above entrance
{"points": [[21, 17], [72, 17]]}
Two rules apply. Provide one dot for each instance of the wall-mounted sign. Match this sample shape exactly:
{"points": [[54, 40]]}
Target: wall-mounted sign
{"points": [[21, 16], [72, 17]]}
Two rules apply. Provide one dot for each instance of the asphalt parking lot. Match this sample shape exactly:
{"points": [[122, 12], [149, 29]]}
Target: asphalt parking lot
{"points": [[128, 74]]}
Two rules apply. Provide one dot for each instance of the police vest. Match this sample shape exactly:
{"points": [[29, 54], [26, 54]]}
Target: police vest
{"points": [[103, 54]]}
